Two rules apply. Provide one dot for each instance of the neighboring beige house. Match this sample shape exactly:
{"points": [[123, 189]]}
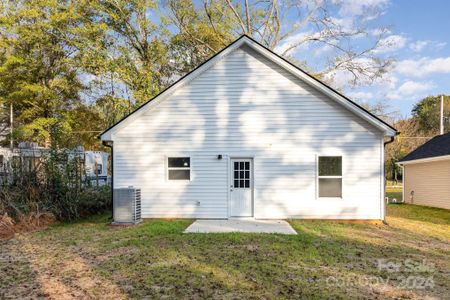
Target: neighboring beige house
{"points": [[426, 173]]}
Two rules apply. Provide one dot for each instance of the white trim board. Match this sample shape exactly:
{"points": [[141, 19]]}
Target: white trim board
{"points": [[424, 160]]}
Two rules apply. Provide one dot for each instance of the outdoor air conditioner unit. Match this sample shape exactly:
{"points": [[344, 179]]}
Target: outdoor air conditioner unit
{"points": [[127, 205]]}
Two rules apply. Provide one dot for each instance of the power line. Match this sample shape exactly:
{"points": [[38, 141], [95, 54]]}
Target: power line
{"points": [[414, 137]]}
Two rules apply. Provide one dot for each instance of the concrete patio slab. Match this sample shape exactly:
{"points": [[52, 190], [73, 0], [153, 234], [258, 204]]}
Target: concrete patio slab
{"points": [[240, 225]]}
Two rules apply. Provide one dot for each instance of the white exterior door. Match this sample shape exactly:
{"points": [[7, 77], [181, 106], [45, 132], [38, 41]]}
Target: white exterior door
{"points": [[241, 188]]}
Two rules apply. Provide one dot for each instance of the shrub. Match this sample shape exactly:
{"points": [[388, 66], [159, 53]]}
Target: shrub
{"points": [[54, 183], [81, 203]]}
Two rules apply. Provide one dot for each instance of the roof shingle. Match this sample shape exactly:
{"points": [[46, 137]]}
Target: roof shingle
{"points": [[437, 146]]}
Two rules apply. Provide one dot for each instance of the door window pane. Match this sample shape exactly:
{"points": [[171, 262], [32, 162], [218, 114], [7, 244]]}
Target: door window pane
{"points": [[241, 174]]}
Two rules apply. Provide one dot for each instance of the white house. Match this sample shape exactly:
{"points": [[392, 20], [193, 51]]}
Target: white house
{"points": [[248, 134]]}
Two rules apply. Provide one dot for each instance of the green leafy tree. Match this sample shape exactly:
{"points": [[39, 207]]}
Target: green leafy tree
{"points": [[39, 73], [150, 44], [137, 46], [427, 111], [61, 60]]}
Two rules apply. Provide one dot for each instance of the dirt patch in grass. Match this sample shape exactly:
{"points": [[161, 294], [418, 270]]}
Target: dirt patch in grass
{"points": [[337, 260], [44, 270], [119, 252]]}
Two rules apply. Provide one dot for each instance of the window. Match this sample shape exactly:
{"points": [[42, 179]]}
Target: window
{"points": [[1, 160], [99, 169], [330, 176], [241, 174], [179, 168]]}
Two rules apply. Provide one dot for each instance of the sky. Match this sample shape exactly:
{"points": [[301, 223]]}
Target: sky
{"points": [[419, 42]]}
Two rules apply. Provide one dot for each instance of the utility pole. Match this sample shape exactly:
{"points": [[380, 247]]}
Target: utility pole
{"points": [[11, 119], [442, 114]]}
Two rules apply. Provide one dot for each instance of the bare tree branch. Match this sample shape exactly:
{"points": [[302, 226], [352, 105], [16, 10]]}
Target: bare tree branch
{"points": [[208, 14], [178, 20], [238, 17], [292, 24], [249, 23], [300, 25], [268, 20]]}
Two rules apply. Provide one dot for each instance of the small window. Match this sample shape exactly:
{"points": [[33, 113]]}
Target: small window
{"points": [[330, 176], [99, 169], [1, 160], [241, 174], [179, 168]]}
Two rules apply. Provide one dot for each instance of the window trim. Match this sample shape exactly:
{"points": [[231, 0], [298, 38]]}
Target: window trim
{"points": [[167, 168], [335, 176]]}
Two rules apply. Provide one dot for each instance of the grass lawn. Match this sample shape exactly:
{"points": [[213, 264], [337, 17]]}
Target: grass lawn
{"points": [[394, 192], [91, 259]]}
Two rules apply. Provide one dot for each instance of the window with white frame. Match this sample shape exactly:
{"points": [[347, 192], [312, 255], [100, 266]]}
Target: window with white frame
{"points": [[179, 168], [330, 176]]}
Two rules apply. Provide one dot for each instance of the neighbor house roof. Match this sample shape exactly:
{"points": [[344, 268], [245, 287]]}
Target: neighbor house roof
{"points": [[387, 129], [437, 147]]}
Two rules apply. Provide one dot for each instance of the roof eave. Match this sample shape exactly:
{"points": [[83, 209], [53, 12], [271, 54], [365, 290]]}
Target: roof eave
{"points": [[386, 129], [107, 134], [424, 160]]}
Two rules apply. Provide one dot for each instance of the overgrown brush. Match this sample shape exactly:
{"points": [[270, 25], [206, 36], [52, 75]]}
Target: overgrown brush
{"points": [[32, 221], [54, 184]]}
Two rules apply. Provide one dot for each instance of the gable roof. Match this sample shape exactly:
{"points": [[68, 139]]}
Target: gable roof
{"points": [[437, 147], [387, 129]]}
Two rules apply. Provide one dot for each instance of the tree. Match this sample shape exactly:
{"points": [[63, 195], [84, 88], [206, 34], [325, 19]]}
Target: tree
{"points": [[283, 26], [410, 137], [39, 73], [382, 110], [137, 46], [150, 44], [62, 59], [427, 111]]}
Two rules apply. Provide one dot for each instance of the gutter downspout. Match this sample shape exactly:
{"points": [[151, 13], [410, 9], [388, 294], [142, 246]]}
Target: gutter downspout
{"points": [[391, 140], [403, 180], [105, 143]]}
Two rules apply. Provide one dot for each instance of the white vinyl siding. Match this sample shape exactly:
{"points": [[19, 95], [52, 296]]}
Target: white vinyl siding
{"points": [[246, 106]]}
